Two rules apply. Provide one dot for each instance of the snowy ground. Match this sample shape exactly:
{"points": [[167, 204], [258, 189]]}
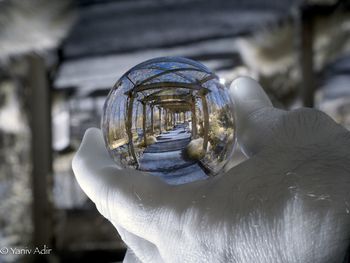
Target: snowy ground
{"points": [[165, 159]]}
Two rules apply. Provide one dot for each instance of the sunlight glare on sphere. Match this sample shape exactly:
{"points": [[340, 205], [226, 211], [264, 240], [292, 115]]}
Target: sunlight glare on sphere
{"points": [[171, 117]]}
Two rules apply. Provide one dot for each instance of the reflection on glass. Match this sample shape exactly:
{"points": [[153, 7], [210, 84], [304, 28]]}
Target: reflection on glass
{"points": [[171, 117]]}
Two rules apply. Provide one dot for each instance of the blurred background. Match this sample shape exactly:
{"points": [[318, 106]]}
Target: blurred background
{"points": [[59, 58]]}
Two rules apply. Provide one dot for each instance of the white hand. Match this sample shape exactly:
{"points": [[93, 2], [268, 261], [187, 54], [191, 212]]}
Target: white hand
{"points": [[290, 202]]}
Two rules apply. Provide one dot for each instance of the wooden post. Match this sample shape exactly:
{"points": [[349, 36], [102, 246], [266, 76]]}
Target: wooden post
{"points": [[152, 124], [144, 105], [160, 119], [206, 120], [40, 109], [174, 119], [308, 81], [194, 118], [166, 119], [129, 126]]}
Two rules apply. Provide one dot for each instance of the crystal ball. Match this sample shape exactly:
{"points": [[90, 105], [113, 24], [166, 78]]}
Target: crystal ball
{"points": [[170, 117]]}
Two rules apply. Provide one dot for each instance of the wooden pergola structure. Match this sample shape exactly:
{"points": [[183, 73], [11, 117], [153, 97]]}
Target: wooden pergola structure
{"points": [[41, 88], [174, 86]]}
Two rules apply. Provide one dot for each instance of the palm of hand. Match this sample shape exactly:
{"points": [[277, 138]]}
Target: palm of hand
{"points": [[287, 203]]}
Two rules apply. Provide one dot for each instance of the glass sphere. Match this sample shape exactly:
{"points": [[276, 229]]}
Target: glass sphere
{"points": [[170, 117]]}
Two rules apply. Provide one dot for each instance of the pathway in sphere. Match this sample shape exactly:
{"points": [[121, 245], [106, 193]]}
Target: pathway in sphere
{"points": [[164, 158]]}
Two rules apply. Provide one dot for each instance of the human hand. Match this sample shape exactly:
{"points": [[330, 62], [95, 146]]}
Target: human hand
{"points": [[289, 202]]}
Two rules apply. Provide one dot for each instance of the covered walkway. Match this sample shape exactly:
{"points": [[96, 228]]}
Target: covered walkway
{"points": [[165, 158]]}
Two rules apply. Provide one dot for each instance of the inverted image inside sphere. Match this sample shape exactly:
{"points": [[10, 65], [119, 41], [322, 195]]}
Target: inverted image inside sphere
{"points": [[170, 117]]}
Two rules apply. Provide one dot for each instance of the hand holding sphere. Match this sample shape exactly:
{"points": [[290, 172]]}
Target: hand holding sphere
{"points": [[287, 203], [170, 117]]}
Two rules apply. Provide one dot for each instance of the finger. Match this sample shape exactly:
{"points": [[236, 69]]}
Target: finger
{"points": [[254, 115], [237, 157], [259, 125], [131, 198], [139, 249], [91, 157], [130, 257]]}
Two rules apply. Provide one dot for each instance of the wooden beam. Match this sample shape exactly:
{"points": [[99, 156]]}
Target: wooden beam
{"points": [[155, 97], [160, 119], [170, 102], [129, 127], [206, 121], [194, 118], [166, 117], [40, 109], [152, 120], [178, 107], [170, 71], [207, 78], [168, 85], [144, 108], [308, 82]]}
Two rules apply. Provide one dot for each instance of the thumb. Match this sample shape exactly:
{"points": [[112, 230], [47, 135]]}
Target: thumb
{"points": [[254, 115], [126, 197]]}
